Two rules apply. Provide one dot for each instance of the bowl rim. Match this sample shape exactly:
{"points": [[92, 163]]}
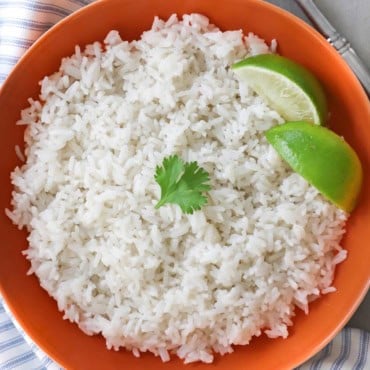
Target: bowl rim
{"points": [[305, 354]]}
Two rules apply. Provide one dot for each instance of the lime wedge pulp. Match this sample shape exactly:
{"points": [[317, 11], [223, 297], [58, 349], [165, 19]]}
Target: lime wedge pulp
{"points": [[290, 89], [322, 157]]}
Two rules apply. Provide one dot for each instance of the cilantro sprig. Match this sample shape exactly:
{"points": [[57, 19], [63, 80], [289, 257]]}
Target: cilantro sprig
{"points": [[182, 183]]}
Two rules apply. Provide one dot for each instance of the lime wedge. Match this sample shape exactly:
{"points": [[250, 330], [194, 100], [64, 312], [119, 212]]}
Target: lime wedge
{"points": [[289, 88], [322, 157]]}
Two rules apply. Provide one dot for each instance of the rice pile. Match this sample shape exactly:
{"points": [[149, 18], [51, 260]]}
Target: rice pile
{"points": [[160, 280]]}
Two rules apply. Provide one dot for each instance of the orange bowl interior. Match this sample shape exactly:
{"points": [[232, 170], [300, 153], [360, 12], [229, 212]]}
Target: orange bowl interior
{"points": [[350, 116]]}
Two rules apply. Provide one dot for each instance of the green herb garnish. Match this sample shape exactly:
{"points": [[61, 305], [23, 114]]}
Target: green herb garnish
{"points": [[182, 184]]}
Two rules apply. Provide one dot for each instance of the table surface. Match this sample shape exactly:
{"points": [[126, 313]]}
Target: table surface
{"points": [[352, 20]]}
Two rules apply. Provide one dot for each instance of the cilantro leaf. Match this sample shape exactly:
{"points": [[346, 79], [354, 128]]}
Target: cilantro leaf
{"points": [[182, 184]]}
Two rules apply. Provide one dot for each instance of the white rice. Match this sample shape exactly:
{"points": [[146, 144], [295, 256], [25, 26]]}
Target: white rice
{"points": [[19, 154], [160, 280]]}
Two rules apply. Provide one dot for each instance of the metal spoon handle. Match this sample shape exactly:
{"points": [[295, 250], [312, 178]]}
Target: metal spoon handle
{"points": [[337, 41]]}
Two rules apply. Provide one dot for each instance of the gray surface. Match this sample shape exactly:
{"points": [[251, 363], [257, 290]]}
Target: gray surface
{"points": [[351, 18]]}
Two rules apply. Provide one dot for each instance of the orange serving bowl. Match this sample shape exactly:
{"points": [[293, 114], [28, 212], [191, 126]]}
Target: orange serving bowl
{"points": [[350, 117]]}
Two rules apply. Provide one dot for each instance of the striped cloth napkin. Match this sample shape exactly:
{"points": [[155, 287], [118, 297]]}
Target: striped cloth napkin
{"points": [[21, 23]]}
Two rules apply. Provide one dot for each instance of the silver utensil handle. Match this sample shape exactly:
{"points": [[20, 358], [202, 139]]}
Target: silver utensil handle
{"points": [[358, 67], [337, 41]]}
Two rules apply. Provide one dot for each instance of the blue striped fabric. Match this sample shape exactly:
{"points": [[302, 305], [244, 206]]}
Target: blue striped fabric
{"points": [[22, 22], [16, 350]]}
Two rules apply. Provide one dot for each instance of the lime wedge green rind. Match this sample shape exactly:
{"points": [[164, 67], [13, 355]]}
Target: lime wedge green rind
{"points": [[323, 158], [289, 88]]}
